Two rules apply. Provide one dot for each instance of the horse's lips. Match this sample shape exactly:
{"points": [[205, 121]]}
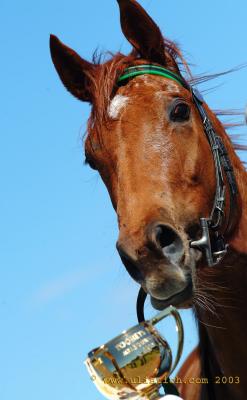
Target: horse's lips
{"points": [[178, 299]]}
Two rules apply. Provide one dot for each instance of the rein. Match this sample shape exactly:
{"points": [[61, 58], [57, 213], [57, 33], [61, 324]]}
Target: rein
{"points": [[212, 242]]}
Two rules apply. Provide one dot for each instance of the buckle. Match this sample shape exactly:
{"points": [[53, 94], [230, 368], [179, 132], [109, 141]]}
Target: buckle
{"points": [[204, 244], [215, 250]]}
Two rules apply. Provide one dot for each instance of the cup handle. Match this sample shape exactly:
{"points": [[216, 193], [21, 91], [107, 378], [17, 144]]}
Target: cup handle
{"points": [[179, 328]]}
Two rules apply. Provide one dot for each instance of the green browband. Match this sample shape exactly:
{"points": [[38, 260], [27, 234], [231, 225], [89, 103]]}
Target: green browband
{"points": [[131, 72]]}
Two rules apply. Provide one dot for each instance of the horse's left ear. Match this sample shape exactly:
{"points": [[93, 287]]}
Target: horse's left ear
{"points": [[141, 31], [74, 71]]}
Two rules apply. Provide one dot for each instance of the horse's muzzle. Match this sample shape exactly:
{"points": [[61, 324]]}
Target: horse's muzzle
{"points": [[162, 245]]}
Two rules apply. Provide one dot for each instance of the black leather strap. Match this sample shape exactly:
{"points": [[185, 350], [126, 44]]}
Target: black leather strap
{"points": [[222, 163], [168, 387], [140, 305]]}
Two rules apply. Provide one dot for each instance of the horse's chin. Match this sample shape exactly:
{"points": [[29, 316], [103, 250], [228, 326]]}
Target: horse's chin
{"points": [[181, 299], [181, 294]]}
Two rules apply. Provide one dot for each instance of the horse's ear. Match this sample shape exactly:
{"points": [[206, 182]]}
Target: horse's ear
{"points": [[141, 31], [73, 71]]}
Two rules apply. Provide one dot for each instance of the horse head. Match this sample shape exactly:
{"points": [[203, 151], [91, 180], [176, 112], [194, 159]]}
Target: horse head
{"points": [[147, 141]]}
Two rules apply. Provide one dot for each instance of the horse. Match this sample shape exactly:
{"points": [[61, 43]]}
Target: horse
{"points": [[149, 139]]}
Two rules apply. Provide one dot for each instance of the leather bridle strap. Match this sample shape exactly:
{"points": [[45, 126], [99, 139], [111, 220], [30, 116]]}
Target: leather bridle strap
{"points": [[221, 160], [142, 295], [132, 72], [214, 222], [211, 242]]}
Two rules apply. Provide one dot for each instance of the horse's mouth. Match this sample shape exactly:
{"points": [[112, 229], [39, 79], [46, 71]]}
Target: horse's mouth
{"points": [[182, 299]]}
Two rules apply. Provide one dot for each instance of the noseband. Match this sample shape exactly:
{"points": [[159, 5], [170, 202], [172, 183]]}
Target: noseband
{"points": [[212, 242]]}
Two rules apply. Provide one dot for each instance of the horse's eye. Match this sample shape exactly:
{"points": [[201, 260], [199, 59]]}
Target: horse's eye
{"points": [[90, 162], [180, 112]]}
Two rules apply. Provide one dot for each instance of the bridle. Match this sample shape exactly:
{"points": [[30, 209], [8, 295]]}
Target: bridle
{"points": [[212, 241]]}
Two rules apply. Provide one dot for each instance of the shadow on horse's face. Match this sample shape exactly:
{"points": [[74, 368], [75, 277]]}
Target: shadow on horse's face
{"points": [[147, 141], [157, 165]]}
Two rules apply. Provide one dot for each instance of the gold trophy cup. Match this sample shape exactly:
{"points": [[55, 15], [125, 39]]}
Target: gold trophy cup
{"points": [[134, 364]]}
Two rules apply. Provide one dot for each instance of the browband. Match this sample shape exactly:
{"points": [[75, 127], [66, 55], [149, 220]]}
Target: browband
{"points": [[150, 69]]}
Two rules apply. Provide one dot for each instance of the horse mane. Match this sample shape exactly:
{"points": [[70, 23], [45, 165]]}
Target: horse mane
{"points": [[104, 81]]}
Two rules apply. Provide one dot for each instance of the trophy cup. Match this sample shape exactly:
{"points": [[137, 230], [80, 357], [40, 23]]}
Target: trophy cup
{"points": [[136, 363]]}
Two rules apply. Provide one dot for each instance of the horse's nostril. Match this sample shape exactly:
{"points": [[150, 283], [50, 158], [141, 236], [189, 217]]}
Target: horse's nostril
{"points": [[165, 236], [170, 242]]}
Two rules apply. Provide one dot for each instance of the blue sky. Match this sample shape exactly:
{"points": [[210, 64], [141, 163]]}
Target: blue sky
{"points": [[63, 290]]}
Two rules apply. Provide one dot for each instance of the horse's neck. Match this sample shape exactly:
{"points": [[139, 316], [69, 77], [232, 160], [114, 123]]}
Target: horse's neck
{"points": [[223, 332], [238, 240]]}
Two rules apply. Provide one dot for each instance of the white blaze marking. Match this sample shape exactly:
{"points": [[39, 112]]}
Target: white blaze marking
{"points": [[117, 103]]}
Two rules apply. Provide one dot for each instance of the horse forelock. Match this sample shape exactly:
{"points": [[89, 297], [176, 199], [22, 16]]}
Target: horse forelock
{"points": [[104, 81]]}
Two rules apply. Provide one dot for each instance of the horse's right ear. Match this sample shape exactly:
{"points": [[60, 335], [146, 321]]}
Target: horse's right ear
{"points": [[141, 31], [73, 71]]}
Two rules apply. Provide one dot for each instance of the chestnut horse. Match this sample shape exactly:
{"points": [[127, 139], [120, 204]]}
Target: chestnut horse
{"points": [[146, 138]]}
